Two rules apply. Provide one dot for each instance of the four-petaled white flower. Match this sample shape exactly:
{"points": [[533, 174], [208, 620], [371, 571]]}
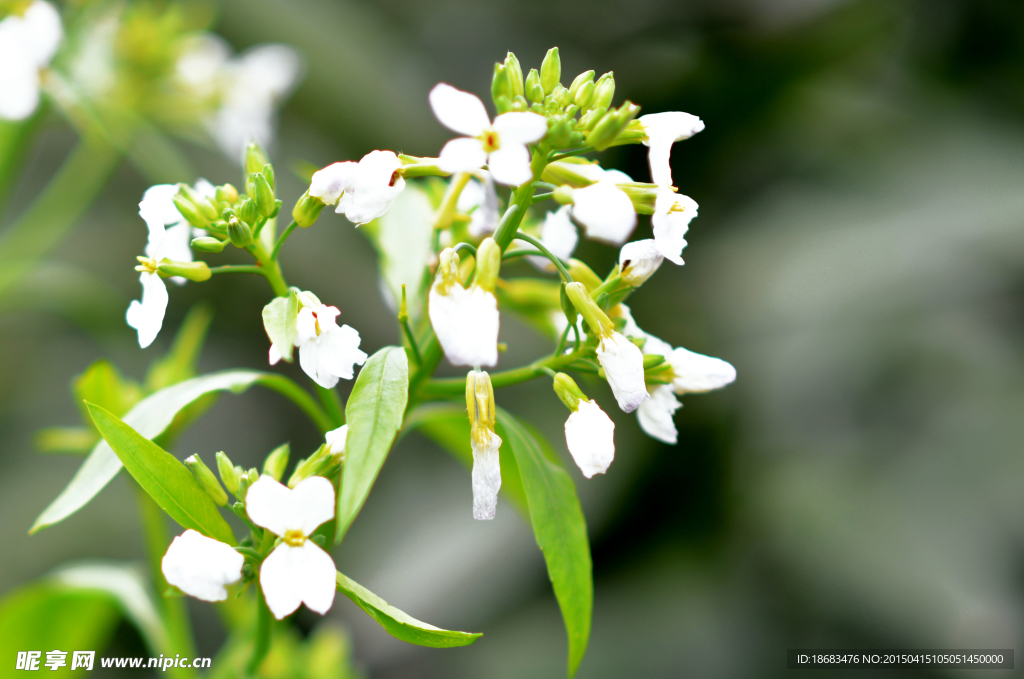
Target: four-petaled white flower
{"points": [[663, 130], [28, 42], [330, 183], [327, 352], [169, 237], [671, 220], [692, 373], [465, 320], [655, 414], [373, 185], [605, 211], [623, 365], [297, 571], [558, 234], [589, 436], [502, 146], [638, 261], [482, 199], [201, 567]]}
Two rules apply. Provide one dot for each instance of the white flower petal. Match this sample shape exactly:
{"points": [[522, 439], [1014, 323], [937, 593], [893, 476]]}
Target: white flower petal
{"points": [[19, 77], [486, 217], [466, 323], [317, 576], [291, 576], [639, 260], [373, 187], [559, 236], [589, 435], [313, 356], [606, 212], [510, 165], [43, 32], [463, 154], [459, 111], [157, 205], [336, 438], [617, 177], [520, 128], [671, 220], [329, 183], [269, 505], [622, 312], [696, 373], [486, 477], [275, 355], [657, 347], [201, 567], [623, 365], [312, 504], [147, 316], [664, 129], [331, 355], [655, 414], [201, 62], [270, 70]]}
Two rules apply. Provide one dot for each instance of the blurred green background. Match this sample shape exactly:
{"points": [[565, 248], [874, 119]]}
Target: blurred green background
{"points": [[859, 257]]}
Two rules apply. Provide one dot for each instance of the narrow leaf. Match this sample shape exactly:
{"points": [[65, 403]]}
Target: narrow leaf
{"points": [[374, 414], [399, 624], [560, 529], [161, 475]]}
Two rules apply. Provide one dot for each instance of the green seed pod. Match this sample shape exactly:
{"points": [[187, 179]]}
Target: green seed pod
{"points": [[263, 195], [227, 473], [534, 92], [550, 70], [207, 481], [577, 83], [515, 75], [208, 244], [227, 194], [584, 95], [247, 211], [239, 233], [255, 158], [604, 90]]}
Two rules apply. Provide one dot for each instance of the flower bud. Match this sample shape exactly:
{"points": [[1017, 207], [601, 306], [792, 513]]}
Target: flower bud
{"points": [[584, 274], [488, 264], [268, 172], [193, 271], [306, 210], [276, 462], [500, 86], [585, 77], [559, 96], [263, 195], [247, 211], [638, 261], [604, 90], [653, 361], [584, 95], [560, 132], [189, 210], [567, 308], [227, 194], [550, 70], [515, 75], [519, 103], [503, 104], [239, 233], [255, 158], [595, 317], [201, 203], [608, 128], [534, 92], [563, 195], [227, 473], [208, 244], [591, 117], [207, 481], [568, 392]]}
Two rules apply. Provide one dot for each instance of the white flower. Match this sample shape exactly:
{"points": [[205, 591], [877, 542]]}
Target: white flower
{"points": [[481, 196], [201, 567], [335, 440], [663, 130], [692, 373], [147, 316], [486, 475], [672, 215], [502, 146], [589, 435], [297, 571], [655, 414], [606, 212], [623, 365], [465, 321], [326, 352], [331, 182], [638, 261], [372, 187], [27, 44], [559, 236], [630, 329]]}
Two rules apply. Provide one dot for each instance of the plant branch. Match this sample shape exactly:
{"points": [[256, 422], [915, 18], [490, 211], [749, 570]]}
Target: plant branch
{"points": [[282, 239], [547, 253]]}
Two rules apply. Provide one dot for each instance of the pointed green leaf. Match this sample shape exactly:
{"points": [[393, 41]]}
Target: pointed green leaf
{"points": [[399, 624], [103, 384], [179, 364], [560, 529], [374, 414], [168, 481], [280, 320]]}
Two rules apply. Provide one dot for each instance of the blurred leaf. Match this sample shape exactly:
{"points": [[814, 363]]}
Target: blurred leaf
{"points": [[102, 384], [179, 363], [560, 529], [398, 624], [280, 320], [447, 425], [71, 440], [161, 475], [374, 414]]}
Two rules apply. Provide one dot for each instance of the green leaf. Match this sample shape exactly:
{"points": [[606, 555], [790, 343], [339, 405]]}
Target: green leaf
{"points": [[280, 320], [160, 474], [447, 425], [151, 417], [560, 529], [179, 364], [102, 384], [374, 414], [399, 624]]}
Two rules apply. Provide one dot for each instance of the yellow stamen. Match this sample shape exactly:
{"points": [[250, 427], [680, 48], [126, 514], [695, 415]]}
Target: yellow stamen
{"points": [[294, 538]]}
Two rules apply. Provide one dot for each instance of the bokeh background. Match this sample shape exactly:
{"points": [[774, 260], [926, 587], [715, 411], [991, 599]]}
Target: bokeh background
{"points": [[859, 257]]}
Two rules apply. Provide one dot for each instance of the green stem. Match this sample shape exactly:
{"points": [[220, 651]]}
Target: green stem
{"points": [[567, 154], [453, 386], [271, 269], [251, 553], [560, 349], [547, 253], [432, 355], [520, 252], [301, 398], [55, 210], [282, 239], [450, 200], [466, 246], [521, 199], [332, 405], [411, 339], [541, 197], [238, 268], [262, 642]]}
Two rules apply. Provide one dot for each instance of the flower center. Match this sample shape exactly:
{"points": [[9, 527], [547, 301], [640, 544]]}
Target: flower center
{"points": [[146, 265], [394, 177], [490, 141], [316, 323], [294, 538]]}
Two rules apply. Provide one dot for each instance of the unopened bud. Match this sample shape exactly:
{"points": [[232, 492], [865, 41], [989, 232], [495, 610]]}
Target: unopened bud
{"points": [[189, 211], [503, 104], [568, 392], [208, 244], [306, 210], [610, 125], [227, 194], [591, 118], [480, 405], [604, 90], [519, 103], [247, 211], [577, 83], [653, 361], [534, 92], [582, 273], [227, 473], [239, 233], [595, 317], [193, 271], [255, 158], [207, 481], [488, 264], [567, 308], [263, 194], [584, 95], [500, 86], [276, 462], [560, 132], [563, 195], [550, 70], [268, 172], [515, 75]]}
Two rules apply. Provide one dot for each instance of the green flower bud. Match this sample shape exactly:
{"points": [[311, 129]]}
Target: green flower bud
{"points": [[277, 208], [559, 96], [591, 117], [263, 195], [488, 264], [276, 462], [193, 271], [227, 194], [500, 86], [306, 210], [208, 244], [568, 392], [268, 172], [550, 70], [567, 308], [247, 211], [585, 77], [243, 483], [653, 361], [605, 131], [515, 75], [207, 481], [227, 473], [255, 158], [582, 273], [519, 103], [239, 233], [604, 90], [584, 95], [503, 104], [563, 195], [189, 211], [534, 92], [597, 320], [559, 132]]}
